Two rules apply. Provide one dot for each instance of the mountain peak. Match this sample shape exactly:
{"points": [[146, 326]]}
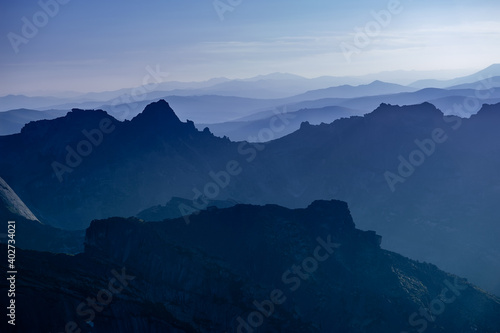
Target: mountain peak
{"points": [[423, 108], [74, 121], [383, 84], [157, 113], [160, 109], [488, 110]]}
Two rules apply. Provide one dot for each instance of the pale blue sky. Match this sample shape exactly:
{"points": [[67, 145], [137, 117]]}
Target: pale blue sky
{"points": [[104, 45]]}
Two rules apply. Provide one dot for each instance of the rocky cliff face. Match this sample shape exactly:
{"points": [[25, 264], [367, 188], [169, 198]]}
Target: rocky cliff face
{"points": [[244, 269]]}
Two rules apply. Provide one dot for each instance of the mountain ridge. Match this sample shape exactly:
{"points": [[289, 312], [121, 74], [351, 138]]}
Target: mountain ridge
{"points": [[132, 170]]}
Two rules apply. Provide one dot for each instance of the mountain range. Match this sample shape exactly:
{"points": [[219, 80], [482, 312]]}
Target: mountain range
{"points": [[230, 116], [220, 100], [439, 208], [491, 72]]}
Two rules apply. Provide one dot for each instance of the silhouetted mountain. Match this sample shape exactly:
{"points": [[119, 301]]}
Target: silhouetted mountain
{"points": [[13, 121], [87, 151], [271, 86], [443, 209], [426, 95], [446, 100], [282, 85], [223, 100], [250, 130], [221, 106], [244, 269], [460, 105], [438, 205], [205, 108]]}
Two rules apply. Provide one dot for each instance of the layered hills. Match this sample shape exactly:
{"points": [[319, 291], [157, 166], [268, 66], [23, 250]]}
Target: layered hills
{"points": [[427, 182]]}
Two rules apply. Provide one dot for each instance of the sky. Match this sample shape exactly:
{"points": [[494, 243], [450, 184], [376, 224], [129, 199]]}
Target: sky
{"points": [[76, 45]]}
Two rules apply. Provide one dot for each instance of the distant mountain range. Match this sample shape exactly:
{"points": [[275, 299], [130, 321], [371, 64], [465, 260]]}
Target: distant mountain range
{"points": [[347, 91], [258, 129], [88, 165], [491, 72], [272, 86], [243, 269], [14, 120], [235, 117], [326, 110]]}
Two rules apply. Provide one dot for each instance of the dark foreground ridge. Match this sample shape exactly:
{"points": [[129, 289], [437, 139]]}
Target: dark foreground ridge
{"points": [[243, 269]]}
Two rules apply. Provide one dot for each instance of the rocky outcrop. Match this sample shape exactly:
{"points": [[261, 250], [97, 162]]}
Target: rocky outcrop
{"points": [[244, 269]]}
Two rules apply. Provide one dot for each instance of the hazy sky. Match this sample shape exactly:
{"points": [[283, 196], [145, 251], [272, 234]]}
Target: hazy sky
{"points": [[102, 45]]}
